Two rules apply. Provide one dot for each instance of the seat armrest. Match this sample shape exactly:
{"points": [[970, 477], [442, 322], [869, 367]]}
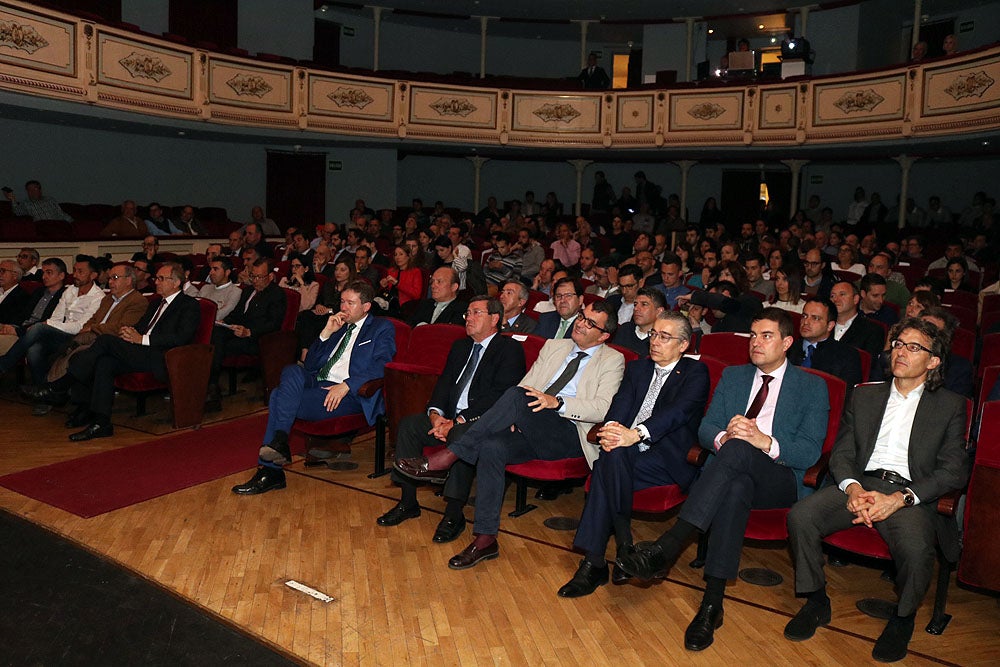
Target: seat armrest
{"points": [[697, 455], [947, 504], [592, 433], [817, 472], [368, 389]]}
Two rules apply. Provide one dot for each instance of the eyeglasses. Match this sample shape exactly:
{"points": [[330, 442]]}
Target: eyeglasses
{"points": [[591, 324], [116, 277], [470, 313], [258, 279], [628, 285], [910, 347], [665, 337], [564, 296], [160, 279]]}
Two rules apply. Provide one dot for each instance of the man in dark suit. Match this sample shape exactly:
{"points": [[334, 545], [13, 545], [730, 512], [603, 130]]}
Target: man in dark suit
{"points": [[567, 391], [171, 322], [649, 303], [766, 424], [352, 349], [260, 311], [650, 426], [593, 76], [567, 295], [39, 305], [479, 369], [513, 297], [442, 307], [901, 445], [14, 299], [852, 327], [819, 350]]}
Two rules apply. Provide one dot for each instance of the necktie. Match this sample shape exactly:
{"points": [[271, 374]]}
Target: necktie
{"points": [[246, 306], [156, 316], [338, 353], [465, 379], [438, 309], [758, 400], [568, 374], [646, 409], [808, 361], [563, 325]]}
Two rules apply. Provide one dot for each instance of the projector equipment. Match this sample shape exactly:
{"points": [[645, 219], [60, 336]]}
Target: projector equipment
{"points": [[796, 48]]}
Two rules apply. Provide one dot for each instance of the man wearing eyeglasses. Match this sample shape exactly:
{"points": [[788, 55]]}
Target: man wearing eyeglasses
{"points": [[28, 259], [480, 368], [40, 305], [89, 382], [260, 311], [634, 336], [629, 282], [816, 280], [548, 416], [14, 299], [143, 284], [567, 294], [901, 445], [652, 422], [766, 425]]}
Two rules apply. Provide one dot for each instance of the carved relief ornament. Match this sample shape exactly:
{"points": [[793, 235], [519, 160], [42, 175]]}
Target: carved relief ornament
{"points": [[454, 106], [565, 113], [350, 97], [21, 37], [249, 84], [706, 111], [859, 100], [970, 85]]}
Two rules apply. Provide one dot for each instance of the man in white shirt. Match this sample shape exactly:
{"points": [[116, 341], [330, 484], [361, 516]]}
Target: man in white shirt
{"points": [[220, 288], [41, 341], [889, 478]]}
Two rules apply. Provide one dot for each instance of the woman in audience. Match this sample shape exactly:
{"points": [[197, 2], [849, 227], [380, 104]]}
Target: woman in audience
{"points": [[302, 281], [552, 207], [958, 272], [787, 290], [736, 274], [846, 261], [431, 260], [683, 250], [775, 261], [311, 322], [921, 301], [402, 283]]}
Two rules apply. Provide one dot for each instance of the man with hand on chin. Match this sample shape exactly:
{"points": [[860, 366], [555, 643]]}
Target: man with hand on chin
{"points": [[901, 445], [352, 349]]}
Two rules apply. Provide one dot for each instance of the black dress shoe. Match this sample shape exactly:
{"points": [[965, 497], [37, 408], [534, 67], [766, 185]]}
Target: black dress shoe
{"points": [[891, 644], [264, 480], [472, 556], [812, 615], [79, 418], [93, 431], [416, 468], [701, 632], [449, 529], [47, 394], [398, 515], [277, 452], [618, 575], [586, 580], [644, 563]]}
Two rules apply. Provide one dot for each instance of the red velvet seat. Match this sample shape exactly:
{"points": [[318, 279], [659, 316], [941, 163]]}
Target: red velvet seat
{"points": [[543, 471], [277, 349], [961, 298], [732, 348], [990, 355], [867, 542], [990, 375], [990, 318], [357, 423], [532, 345], [188, 368], [534, 298], [980, 562], [963, 343], [968, 318]]}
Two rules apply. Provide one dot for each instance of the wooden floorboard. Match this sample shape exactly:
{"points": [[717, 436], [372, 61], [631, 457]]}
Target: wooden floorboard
{"points": [[395, 600]]}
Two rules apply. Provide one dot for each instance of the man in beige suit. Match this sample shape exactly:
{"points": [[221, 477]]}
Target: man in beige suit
{"points": [[566, 391]]}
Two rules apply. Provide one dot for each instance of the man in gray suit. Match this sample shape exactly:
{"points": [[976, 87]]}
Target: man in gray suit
{"points": [[900, 447], [568, 389]]}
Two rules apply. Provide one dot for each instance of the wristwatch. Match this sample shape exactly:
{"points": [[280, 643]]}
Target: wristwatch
{"points": [[909, 498], [559, 403]]}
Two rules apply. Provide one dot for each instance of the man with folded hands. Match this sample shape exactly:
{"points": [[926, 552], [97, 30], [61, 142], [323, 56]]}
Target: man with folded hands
{"points": [[352, 349], [652, 423], [567, 391], [479, 369]]}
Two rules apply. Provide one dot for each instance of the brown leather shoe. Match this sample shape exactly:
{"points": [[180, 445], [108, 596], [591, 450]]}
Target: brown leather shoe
{"points": [[472, 556], [416, 468]]}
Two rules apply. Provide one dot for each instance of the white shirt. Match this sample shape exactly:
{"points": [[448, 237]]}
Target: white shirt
{"points": [[342, 369], [765, 418], [74, 309], [463, 400], [166, 304], [892, 446], [839, 329], [625, 312]]}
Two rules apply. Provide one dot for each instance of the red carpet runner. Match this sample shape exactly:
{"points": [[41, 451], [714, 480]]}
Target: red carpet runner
{"points": [[111, 480]]}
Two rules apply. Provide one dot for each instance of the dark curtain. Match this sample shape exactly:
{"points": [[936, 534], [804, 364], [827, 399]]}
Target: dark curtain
{"points": [[296, 189], [215, 22]]}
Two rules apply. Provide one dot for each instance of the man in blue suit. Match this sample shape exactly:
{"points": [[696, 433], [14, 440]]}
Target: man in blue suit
{"points": [[567, 294], [651, 424], [352, 349], [766, 425]]}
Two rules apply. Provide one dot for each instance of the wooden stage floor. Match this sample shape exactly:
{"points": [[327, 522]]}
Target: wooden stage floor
{"points": [[395, 600]]}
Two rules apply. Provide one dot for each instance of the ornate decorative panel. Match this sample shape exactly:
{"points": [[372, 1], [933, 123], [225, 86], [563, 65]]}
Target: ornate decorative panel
{"points": [[777, 108], [635, 113], [697, 111], [126, 63], [874, 99], [452, 106], [238, 84], [560, 114], [969, 86], [37, 42], [351, 98]]}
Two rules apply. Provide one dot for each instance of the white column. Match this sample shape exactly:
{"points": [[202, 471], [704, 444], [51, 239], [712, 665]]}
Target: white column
{"points": [[905, 162], [690, 48], [579, 165], [796, 167], [804, 20], [477, 165], [583, 43], [483, 20], [685, 166], [377, 17], [917, 11]]}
